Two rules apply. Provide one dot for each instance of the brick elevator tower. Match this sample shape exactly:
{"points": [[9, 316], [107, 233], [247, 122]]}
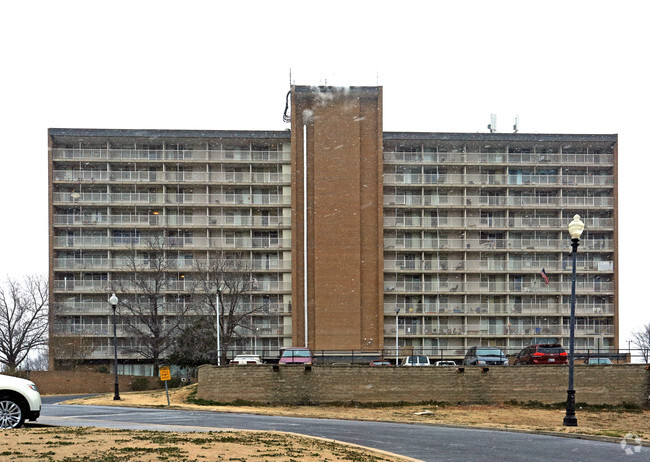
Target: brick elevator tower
{"points": [[337, 217]]}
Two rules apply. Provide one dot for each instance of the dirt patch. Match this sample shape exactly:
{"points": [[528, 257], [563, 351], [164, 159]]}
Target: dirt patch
{"points": [[615, 424], [67, 444]]}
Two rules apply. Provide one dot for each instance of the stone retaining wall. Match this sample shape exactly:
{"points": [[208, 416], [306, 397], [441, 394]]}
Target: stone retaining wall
{"points": [[294, 384], [82, 382]]}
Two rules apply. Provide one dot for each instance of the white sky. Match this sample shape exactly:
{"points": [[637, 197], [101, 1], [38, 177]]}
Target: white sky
{"points": [[562, 66]]}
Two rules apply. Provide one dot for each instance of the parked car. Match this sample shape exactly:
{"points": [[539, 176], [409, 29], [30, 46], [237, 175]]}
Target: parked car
{"points": [[416, 360], [379, 362], [296, 355], [444, 363], [485, 356], [601, 361], [19, 401], [246, 359], [543, 353]]}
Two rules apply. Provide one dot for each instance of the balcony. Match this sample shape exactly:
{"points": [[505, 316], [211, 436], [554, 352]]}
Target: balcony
{"points": [[498, 309], [498, 158], [173, 198], [61, 264], [441, 330], [225, 156], [149, 219], [557, 223]]}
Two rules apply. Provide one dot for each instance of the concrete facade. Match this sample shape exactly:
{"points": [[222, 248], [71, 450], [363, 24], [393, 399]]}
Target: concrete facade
{"points": [[451, 229]]}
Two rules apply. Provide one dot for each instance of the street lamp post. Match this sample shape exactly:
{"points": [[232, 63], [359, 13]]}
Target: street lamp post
{"points": [[218, 329], [113, 301], [575, 230], [396, 337]]}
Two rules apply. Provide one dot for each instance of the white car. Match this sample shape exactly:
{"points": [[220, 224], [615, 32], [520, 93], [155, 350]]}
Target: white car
{"points": [[19, 401], [445, 363], [246, 359], [416, 360]]}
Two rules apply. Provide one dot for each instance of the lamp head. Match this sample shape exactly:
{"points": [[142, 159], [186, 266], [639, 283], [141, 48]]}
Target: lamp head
{"points": [[576, 227], [113, 300], [396, 311]]}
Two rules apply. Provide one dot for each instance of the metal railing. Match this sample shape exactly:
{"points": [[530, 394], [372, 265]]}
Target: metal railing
{"points": [[498, 158], [217, 155]]}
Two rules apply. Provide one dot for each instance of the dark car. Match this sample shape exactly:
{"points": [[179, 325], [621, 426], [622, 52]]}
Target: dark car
{"points": [[485, 356], [543, 353]]}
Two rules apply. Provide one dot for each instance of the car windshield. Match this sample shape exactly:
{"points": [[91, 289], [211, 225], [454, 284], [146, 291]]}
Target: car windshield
{"points": [[296, 354], [418, 359], [489, 352], [550, 350]]}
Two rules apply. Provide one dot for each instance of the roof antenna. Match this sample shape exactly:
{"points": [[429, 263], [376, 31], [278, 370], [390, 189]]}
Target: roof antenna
{"points": [[515, 127], [493, 123]]}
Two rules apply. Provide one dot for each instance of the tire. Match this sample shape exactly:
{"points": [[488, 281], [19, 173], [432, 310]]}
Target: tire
{"points": [[11, 414]]}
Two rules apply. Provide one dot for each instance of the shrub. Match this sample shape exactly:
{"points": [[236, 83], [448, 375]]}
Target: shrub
{"points": [[140, 384]]}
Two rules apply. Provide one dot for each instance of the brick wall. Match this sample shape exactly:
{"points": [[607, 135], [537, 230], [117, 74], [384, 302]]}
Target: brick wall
{"points": [[81, 382], [321, 384]]}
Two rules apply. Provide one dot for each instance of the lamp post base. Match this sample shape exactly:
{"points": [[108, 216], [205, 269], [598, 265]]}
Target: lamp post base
{"points": [[570, 419], [116, 396]]}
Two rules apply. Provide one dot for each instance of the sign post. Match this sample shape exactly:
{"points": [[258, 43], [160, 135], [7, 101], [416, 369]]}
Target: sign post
{"points": [[165, 375]]}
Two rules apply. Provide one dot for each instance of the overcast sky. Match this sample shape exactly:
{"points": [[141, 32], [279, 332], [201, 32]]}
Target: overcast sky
{"points": [[561, 66]]}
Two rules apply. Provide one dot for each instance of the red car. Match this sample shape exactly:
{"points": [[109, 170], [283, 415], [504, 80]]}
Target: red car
{"points": [[295, 355], [545, 353]]}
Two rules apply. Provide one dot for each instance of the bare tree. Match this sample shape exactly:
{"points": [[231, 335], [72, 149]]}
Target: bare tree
{"points": [[227, 278], [37, 361], [23, 319], [69, 352], [641, 340], [150, 309]]}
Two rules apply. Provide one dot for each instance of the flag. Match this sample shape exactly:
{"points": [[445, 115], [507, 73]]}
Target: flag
{"points": [[543, 273]]}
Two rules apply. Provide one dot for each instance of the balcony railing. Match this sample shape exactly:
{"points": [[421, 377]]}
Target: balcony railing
{"points": [[504, 201], [174, 242], [172, 220], [512, 180], [498, 158], [461, 330], [180, 263], [491, 309], [171, 198], [415, 243], [98, 176], [71, 285], [498, 287], [97, 307], [226, 156]]}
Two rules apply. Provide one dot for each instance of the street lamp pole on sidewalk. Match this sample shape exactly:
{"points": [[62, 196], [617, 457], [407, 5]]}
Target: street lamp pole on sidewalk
{"points": [[575, 230], [396, 336], [113, 301]]}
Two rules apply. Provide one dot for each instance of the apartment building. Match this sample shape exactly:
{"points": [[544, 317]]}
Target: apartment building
{"points": [[341, 225]]}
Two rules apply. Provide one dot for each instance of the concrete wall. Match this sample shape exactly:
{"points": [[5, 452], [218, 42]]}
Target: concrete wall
{"points": [[322, 384], [81, 382]]}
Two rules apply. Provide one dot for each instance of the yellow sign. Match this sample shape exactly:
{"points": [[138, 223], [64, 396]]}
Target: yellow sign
{"points": [[165, 374]]}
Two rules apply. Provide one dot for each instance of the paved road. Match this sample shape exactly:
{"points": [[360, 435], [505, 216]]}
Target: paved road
{"points": [[427, 443]]}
